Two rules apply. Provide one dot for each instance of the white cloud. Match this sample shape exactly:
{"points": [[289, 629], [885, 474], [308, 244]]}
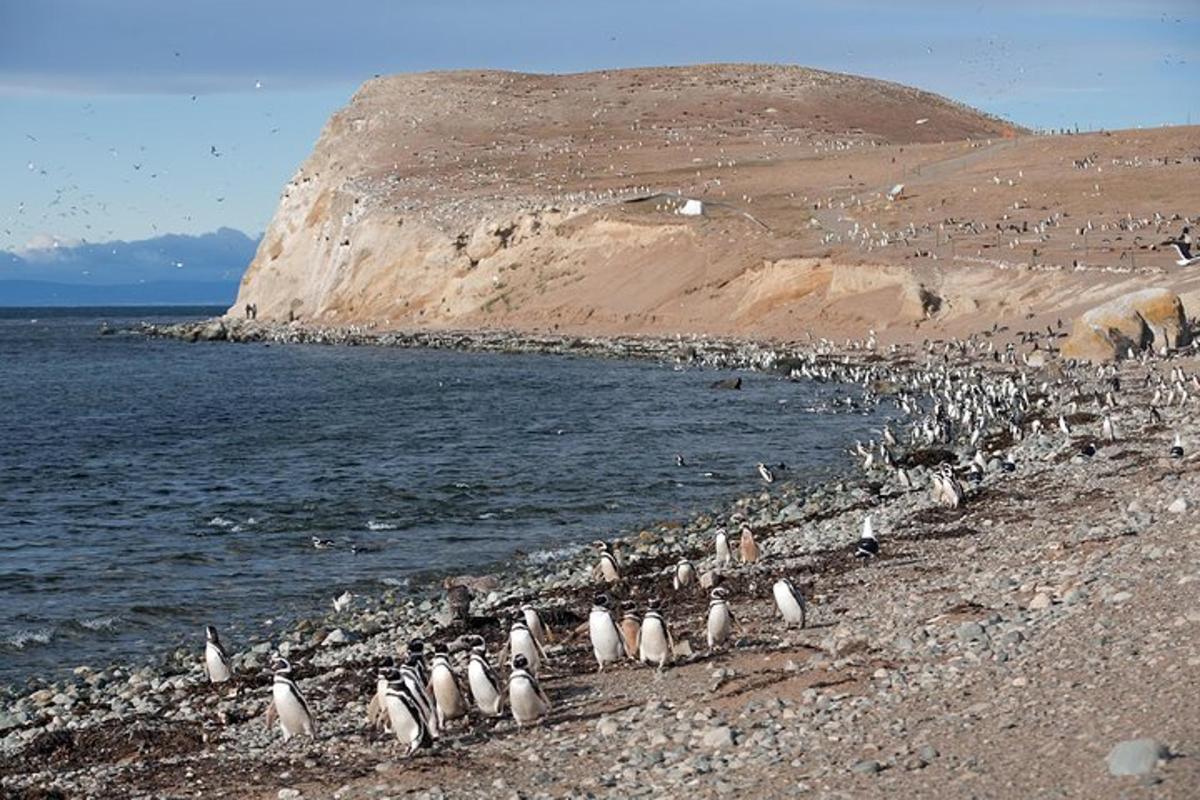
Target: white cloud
{"points": [[43, 246]]}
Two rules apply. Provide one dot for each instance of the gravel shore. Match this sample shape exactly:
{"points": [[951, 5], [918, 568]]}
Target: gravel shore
{"points": [[1041, 640]]}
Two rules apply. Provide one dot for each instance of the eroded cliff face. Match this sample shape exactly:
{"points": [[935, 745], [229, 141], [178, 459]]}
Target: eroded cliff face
{"points": [[488, 199]]}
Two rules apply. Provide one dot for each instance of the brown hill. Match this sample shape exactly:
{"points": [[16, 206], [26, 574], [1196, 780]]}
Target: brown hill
{"points": [[494, 199]]}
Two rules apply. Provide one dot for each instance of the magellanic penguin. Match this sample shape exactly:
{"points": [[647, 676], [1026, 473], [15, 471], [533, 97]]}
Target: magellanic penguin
{"points": [[216, 660], [631, 626], [485, 684], [287, 704], [655, 645], [607, 567], [415, 678], [1177, 447], [606, 639], [790, 603], [765, 472], [405, 715], [685, 574], [521, 642], [377, 713], [868, 545], [748, 547], [527, 700], [721, 542], [533, 621], [447, 695], [720, 618]]}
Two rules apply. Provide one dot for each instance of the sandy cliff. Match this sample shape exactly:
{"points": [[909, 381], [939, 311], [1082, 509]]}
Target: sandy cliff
{"points": [[492, 199]]}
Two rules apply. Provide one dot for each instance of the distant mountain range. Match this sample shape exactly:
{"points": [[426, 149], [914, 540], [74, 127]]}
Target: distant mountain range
{"points": [[171, 269]]}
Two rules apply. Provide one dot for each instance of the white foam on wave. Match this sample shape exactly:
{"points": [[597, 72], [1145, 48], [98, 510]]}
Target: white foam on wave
{"points": [[24, 638], [100, 623], [399, 583], [555, 554], [376, 525], [221, 522]]}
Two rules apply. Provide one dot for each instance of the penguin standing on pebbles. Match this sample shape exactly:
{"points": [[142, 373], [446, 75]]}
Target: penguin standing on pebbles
{"points": [[721, 542], [790, 603], [655, 645], [485, 684], [868, 545], [631, 628], [526, 698], [685, 574], [521, 642], [533, 621], [748, 548], [216, 660], [607, 567], [447, 695], [720, 618], [377, 711], [1177, 447], [405, 715], [287, 704], [606, 639]]}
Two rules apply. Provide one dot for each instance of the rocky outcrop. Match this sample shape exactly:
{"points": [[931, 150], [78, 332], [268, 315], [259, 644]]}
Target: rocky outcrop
{"points": [[1130, 323]]}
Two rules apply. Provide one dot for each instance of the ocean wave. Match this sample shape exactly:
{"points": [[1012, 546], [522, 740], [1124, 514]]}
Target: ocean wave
{"points": [[376, 525], [100, 623], [399, 583], [554, 554], [23, 639], [221, 522]]}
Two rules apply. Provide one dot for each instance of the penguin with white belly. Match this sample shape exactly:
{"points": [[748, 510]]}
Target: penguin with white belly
{"points": [[447, 695], [216, 660], [606, 639], [526, 698], [790, 603], [485, 685], [655, 645], [287, 704]]}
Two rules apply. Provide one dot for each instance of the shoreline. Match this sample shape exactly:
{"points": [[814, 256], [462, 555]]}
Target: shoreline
{"points": [[802, 531]]}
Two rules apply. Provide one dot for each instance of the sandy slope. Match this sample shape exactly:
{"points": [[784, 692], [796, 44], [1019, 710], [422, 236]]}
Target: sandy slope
{"points": [[488, 199]]}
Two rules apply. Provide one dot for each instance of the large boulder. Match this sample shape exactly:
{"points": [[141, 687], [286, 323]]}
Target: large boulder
{"points": [[1147, 318]]}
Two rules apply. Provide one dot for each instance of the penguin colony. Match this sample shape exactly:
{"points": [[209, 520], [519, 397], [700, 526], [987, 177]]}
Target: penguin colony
{"points": [[420, 696]]}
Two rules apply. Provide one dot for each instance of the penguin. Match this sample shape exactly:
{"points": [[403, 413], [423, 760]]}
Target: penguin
{"points": [[414, 678], [606, 639], [216, 660], [322, 544], [1177, 447], [377, 713], [1009, 464], [1063, 425], [607, 567], [1108, 430], [287, 704], [790, 603], [679, 462], [685, 574], [447, 694], [767, 475], [526, 698], [533, 621], [724, 557], [655, 645], [720, 618], [485, 685], [631, 626], [748, 548], [868, 545], [521, 642], [406, 718]]}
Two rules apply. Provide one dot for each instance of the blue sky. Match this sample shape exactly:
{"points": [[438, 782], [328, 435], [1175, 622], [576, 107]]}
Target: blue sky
{"points": [[100, 137]]}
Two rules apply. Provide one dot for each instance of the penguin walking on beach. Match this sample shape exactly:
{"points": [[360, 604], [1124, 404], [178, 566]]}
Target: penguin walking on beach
{"points": [[721, 543], [685, 574], [748, 548], [720, 619], [790, 603], [447, 695], [521, 642], [655, 645], [287, 704], [537, 627], [607, 567], [485, 685], [868, 546], [606, 639], [377, 712], [631, 628], [406, 717], [216, 661], [526, 698], [415, 678]]}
